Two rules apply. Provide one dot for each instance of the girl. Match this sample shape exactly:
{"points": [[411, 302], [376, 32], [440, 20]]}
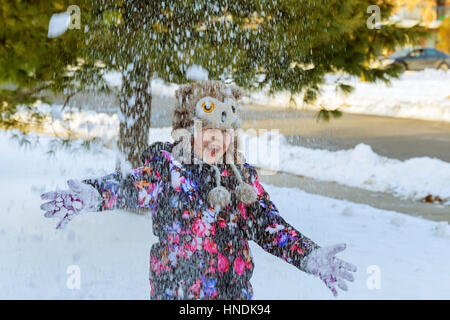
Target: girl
{"points": [[206, 205]]}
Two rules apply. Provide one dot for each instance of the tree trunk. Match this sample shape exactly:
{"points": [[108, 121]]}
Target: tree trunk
{"points": [[135, 106]]}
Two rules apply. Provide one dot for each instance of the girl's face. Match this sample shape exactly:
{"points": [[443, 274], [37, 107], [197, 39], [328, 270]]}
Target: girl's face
{"points": [[212, 143]]}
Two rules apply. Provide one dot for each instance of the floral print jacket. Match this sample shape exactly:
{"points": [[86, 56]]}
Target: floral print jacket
{"points": [[201, 254]]}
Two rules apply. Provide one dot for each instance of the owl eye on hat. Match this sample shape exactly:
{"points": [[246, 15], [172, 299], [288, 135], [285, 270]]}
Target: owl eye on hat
{"points": [[217, 114], [216, 105]]}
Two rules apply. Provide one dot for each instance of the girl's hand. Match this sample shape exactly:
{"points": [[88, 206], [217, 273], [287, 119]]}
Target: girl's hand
{"points": [[331, 270], [66, 204]]}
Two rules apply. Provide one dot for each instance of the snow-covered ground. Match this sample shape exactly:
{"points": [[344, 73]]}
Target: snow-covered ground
{"points": [[417, 95], [360, 167], [410, 255]]}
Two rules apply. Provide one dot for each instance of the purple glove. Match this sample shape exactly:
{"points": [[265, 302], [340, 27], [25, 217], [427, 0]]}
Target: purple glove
{"points": [[66, 204], [331, 270]]}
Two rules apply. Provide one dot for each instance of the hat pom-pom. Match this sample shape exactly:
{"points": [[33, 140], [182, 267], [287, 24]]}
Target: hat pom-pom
{"points": [[245, 193], [219, 196]]}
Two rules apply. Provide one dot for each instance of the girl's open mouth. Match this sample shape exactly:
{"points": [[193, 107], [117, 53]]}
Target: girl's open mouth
{"points": [[213, 150]]}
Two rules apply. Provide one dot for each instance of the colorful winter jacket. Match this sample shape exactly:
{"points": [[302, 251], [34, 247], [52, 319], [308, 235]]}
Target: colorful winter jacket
{"points": [[201, 254]]}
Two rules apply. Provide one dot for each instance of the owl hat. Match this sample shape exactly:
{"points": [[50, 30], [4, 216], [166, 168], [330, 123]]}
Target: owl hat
{"points": [[215, 105]]}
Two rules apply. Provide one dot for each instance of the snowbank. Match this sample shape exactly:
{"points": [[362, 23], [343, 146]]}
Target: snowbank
{"points": [[111, 249], [418, 95], [361, 167]]}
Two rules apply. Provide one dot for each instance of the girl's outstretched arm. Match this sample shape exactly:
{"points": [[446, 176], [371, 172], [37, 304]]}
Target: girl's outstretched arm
{"points": [[270, 231], [139, 188], [281, 239]]}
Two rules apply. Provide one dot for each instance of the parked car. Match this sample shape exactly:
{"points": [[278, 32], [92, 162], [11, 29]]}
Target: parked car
{"points": [[419, 59]]}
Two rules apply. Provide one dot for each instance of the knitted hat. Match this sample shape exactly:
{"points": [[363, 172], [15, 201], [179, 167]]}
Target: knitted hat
{"points": [[215, 104]]}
